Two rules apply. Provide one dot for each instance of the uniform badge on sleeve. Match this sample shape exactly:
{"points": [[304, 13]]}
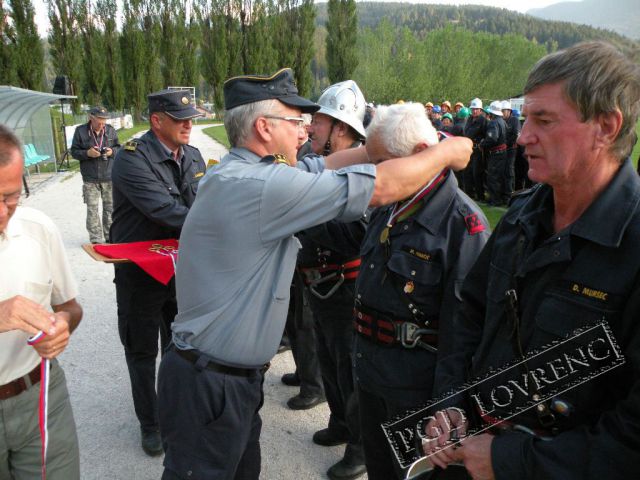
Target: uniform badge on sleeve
{"points": [[474, 224], [131, 146]]}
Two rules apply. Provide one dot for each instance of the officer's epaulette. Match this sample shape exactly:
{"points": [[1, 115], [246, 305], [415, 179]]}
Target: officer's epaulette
{"points": [[191, 147], [131, 146], [275, 159]]}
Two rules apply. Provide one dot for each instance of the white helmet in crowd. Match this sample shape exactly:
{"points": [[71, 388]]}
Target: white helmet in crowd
{"points": [[506, 105], [475, 103], [345, 102], [495, 108]]}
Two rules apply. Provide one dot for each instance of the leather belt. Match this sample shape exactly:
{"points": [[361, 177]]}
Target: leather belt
{"points": [[317, 274], [499, 148], [19, 385], [198, 359], [387, 331]]}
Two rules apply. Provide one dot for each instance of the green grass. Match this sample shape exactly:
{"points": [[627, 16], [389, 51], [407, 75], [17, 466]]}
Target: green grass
{"points": [[494, 214], [219, 134], [125, 134]]}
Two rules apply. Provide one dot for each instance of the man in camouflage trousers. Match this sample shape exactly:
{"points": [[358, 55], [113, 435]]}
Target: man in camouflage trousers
{"points": [[95, 144]]}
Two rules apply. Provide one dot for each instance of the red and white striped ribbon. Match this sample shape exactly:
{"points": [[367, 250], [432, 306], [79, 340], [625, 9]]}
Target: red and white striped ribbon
{"points": [[45, 366]]}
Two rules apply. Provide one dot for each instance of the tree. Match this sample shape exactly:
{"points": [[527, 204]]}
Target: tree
{"points": [[152, 30], [261, 55], [305, 16], [113, 89], [133, 50], [172, 43], [95, 70], [214, 54], [7, 70], [342, 34], [190, 64], [65, 45], [28, 54]]}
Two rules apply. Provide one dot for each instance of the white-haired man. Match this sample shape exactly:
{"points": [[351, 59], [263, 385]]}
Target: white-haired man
{"points": [[237, 259], [415, 255]]}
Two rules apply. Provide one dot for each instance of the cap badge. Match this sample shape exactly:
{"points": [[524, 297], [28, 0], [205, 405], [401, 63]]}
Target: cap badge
{"points": [[184, 100]]}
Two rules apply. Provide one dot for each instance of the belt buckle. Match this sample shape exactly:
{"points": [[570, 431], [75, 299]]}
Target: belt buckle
{"points": [[409, 334]]}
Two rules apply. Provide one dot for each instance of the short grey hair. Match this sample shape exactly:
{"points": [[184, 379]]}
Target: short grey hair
{"points": [[598, 79], [239, 121], [401, 127], [9, 143]]}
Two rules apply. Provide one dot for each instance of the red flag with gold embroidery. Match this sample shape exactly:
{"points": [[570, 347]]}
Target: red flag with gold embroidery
{"points": [[156, 257]]}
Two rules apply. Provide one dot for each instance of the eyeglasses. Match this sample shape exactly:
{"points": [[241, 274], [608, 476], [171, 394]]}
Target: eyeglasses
{"points": [[11, 200], [298, 120]]}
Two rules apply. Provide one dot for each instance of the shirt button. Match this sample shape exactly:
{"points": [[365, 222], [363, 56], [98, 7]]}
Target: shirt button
{"points": [[359, 355], [413, 272], [556, 253], [371, 266], [406, 227]]}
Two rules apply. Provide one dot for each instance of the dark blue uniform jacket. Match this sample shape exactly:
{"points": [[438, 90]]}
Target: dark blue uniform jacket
{"points": [[588, 272], [151, 194]]}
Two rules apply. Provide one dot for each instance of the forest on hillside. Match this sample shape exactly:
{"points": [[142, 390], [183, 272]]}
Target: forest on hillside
{"points": [[421, 18]]}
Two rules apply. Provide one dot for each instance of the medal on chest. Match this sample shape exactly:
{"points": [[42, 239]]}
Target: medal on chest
{"points": [[384, 235]]}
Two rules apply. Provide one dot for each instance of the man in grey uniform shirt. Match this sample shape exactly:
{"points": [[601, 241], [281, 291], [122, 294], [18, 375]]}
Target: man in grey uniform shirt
{"points": [[237, 256]]}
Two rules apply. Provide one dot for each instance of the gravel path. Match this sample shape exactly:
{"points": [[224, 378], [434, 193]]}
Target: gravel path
{"points": [[98, 379]]}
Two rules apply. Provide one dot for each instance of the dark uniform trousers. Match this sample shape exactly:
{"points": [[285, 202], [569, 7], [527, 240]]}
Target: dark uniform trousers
{"points": [[145, 307], [509, 173], [302, 336], [497, 166], [521, 169], [390, 381], [334, 336], [477, 169], [198, 407]]}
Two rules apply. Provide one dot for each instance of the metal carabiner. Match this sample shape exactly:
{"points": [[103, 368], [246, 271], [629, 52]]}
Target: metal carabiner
{"points": [[331, 291]]}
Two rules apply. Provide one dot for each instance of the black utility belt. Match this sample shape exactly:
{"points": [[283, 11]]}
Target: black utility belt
{"points": [[202, 361], [384, 330]]}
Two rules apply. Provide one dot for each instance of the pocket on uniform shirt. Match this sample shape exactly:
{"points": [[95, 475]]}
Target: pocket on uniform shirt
{"points": [[421, 279], [559, 315], [38, 292]]}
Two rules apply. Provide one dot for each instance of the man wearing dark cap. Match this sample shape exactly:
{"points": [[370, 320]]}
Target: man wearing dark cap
{"points": [[155, 179], [237, 261], [94, 145]]}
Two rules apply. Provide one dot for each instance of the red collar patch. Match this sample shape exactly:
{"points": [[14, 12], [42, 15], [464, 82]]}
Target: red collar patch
{"points": [[473, 223]]}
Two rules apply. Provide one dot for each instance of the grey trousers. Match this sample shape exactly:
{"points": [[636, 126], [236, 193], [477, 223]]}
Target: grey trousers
{"points": [[20, 433]]}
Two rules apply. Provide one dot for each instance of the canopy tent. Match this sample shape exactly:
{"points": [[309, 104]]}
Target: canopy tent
{"points": [[26, 112]]}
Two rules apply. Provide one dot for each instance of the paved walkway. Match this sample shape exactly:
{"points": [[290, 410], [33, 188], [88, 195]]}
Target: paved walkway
{"points": [[98, 378]]}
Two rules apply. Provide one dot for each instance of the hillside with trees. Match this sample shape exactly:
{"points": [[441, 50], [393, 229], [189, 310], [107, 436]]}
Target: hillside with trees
{"points": [[421, 19]]}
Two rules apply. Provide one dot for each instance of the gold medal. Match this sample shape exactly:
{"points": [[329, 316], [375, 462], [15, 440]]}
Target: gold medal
{"points": [[408, 287], [384, 235]]}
